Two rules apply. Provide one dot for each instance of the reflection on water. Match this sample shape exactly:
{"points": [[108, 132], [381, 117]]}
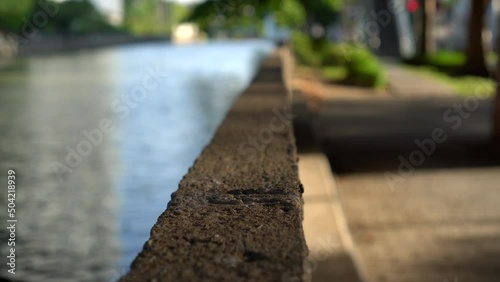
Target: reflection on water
{"points": [[163, 101]]}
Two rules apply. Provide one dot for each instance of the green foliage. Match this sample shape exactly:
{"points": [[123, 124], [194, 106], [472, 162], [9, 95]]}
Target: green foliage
{"points": [[203, 14], [234, 16], [362, 68], [462, 85], [231, 13], [152, 17], [354, 63], [290, 13], [334, 73], [475, 85], [179, 13], [73, 17], [447, 60], [342, 62], [338, 54], [304, 50], [325, 11], [492, 58], [14, 13], [141, 17]]}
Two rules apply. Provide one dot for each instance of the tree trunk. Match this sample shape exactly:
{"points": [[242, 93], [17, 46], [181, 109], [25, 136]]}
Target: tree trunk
{"points": [[496, 120], [476, 62], [426, 43]]}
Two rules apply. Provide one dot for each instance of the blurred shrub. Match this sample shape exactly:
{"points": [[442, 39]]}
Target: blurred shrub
{"points": [[339, 62], [303, 47], [492, 58], [13, 14], [462, 85], [364, 69], [337, 54], [141, 17], [74, 17], [334, 73], [447, 60]]}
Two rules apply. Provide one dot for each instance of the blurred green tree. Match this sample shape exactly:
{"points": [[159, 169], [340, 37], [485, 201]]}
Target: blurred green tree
{"points": [[74, 17], [296, 14], [152, 17], [322, 12], [14, 14], [139, 16]]}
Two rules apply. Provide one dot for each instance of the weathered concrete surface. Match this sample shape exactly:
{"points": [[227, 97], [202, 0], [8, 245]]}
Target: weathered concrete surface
{"points": [[237, 215], [439, 221], [332, 255], [439, 225]]}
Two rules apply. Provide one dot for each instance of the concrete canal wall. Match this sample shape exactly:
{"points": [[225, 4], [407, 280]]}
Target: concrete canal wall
{"points": [[237, 215]]}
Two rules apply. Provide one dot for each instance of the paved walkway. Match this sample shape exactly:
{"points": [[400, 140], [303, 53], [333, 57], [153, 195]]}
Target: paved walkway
{"points": [[407, 83], [441, 222], [438, 225], [328, 239]]}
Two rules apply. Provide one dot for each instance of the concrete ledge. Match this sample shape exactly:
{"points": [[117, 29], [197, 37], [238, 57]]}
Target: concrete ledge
{"points": [[332, 254], [237, 215]]}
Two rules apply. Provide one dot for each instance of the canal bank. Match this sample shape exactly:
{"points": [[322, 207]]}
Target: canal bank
{"points": [[22, 45]]}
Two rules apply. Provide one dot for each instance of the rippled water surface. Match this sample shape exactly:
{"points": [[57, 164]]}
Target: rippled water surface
{"points": [[100, 139]]}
